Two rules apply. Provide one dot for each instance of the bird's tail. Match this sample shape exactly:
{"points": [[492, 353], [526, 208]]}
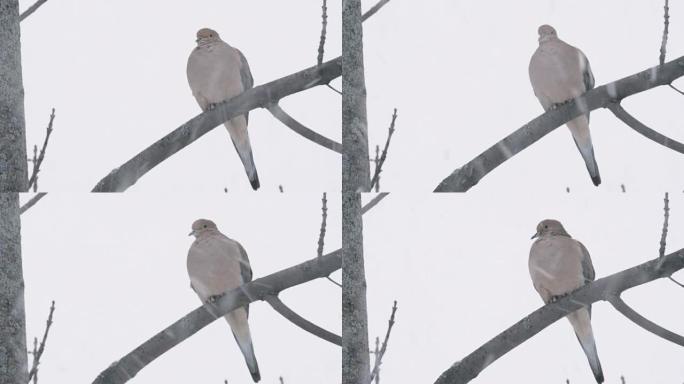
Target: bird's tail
{"points": [[238, 323], [580, 133], [237, 128], [581, 322]]}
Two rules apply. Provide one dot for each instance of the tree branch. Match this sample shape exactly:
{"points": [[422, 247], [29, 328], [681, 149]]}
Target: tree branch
{"points": [[128, 366], [126, 175], [666, 217], [383, 349], [31, 9], [472, 172], [381, 161], [374, 202], [37, 162], [37, 354], [641, 128], [302, 130], [603, 289], [643, 322], [666, 23], [324, 24], [32, 202], [301, 322]]}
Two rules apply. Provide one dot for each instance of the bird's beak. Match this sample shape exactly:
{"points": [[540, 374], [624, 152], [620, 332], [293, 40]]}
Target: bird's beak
{"points": [[191, 233], [535, 235]]}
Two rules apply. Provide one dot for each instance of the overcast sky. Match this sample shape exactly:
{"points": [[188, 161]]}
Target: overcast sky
{"points": [[457, 264]]}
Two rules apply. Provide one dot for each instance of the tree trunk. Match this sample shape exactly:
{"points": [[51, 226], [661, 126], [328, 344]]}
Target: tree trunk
{"points": [[13, 356], [355, 179], [355, 158], [13, 164]]}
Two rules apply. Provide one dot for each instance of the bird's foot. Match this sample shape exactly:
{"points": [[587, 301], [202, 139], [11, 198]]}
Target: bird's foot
{"points": [[214, 298], [211, 106], [562, 103], [557, 297]]}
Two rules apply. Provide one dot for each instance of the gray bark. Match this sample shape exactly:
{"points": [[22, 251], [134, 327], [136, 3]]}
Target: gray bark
{"points": [[355, 355], [355, 164], [13, 165], [13, 356]]}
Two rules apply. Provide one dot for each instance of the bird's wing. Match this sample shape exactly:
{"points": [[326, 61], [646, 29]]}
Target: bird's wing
{"points": [[246, 76]]}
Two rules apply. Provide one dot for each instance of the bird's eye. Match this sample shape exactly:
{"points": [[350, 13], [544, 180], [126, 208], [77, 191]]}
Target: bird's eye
{"points": [[204, 226], [546, 227]]}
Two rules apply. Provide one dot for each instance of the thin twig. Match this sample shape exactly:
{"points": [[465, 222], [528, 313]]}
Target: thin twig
{"points": [[39, 161], [644, 130], [663, 236], [376, 161], [376, 353], [35, 353], [374, 9], [378, 167], [36, 358], [301, 322], [281, 380], [31, 9], [333, 281], [333, 88], [324, 217], [373, 202], [383, 349], [324, 24], [32, 202], [34, 160], [676, 89], [666, 22], [643, 322], [302, 130]]}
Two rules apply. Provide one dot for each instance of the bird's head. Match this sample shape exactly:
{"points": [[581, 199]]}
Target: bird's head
{"points": [[546, 33], [550, 227], [207, 35], [201, 226]]}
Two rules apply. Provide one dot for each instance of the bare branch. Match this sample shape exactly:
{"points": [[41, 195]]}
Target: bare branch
{"points": [[378, 166], [663, 236], [302, 130], [37, 162], [676, 89], [602, 289], [378, 358], [666, 23], [128, 366], [31, 9], [324, 217], [374, 202], [324, 25], [643, 322], [301, 322], [32, 202], [376, 352], [376, 161], [333, 88], [641, 128], [36, 357], [374, 9], [472, 172]]}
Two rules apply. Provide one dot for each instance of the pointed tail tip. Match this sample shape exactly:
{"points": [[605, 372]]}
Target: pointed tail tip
{"points": [[596, 180], [256, 376], [255, 182], [599, 377]]}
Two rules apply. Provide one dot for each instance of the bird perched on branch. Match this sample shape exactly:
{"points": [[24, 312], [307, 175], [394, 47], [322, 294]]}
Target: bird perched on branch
{"points": [[217, 264], [217, 72], [559, 265], [559, 73]]}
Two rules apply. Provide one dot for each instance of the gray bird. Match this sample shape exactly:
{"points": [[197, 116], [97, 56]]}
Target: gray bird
{"points": [[217, 72], [559, 265], [217, 264], [560, 72]]}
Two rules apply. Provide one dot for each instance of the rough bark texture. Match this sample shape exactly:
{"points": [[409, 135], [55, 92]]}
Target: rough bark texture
{"points": [[13, 165], [355, 168], [13, 356], [355, 356]]}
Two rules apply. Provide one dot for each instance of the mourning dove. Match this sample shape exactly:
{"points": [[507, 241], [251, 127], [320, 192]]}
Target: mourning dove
{"points": [[217, 72], [559, 265], [560, 72], [217, 264]]}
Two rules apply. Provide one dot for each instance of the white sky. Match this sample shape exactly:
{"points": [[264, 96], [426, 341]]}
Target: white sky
{"points": [[115, 72], [115, 265], [457, 72]]}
